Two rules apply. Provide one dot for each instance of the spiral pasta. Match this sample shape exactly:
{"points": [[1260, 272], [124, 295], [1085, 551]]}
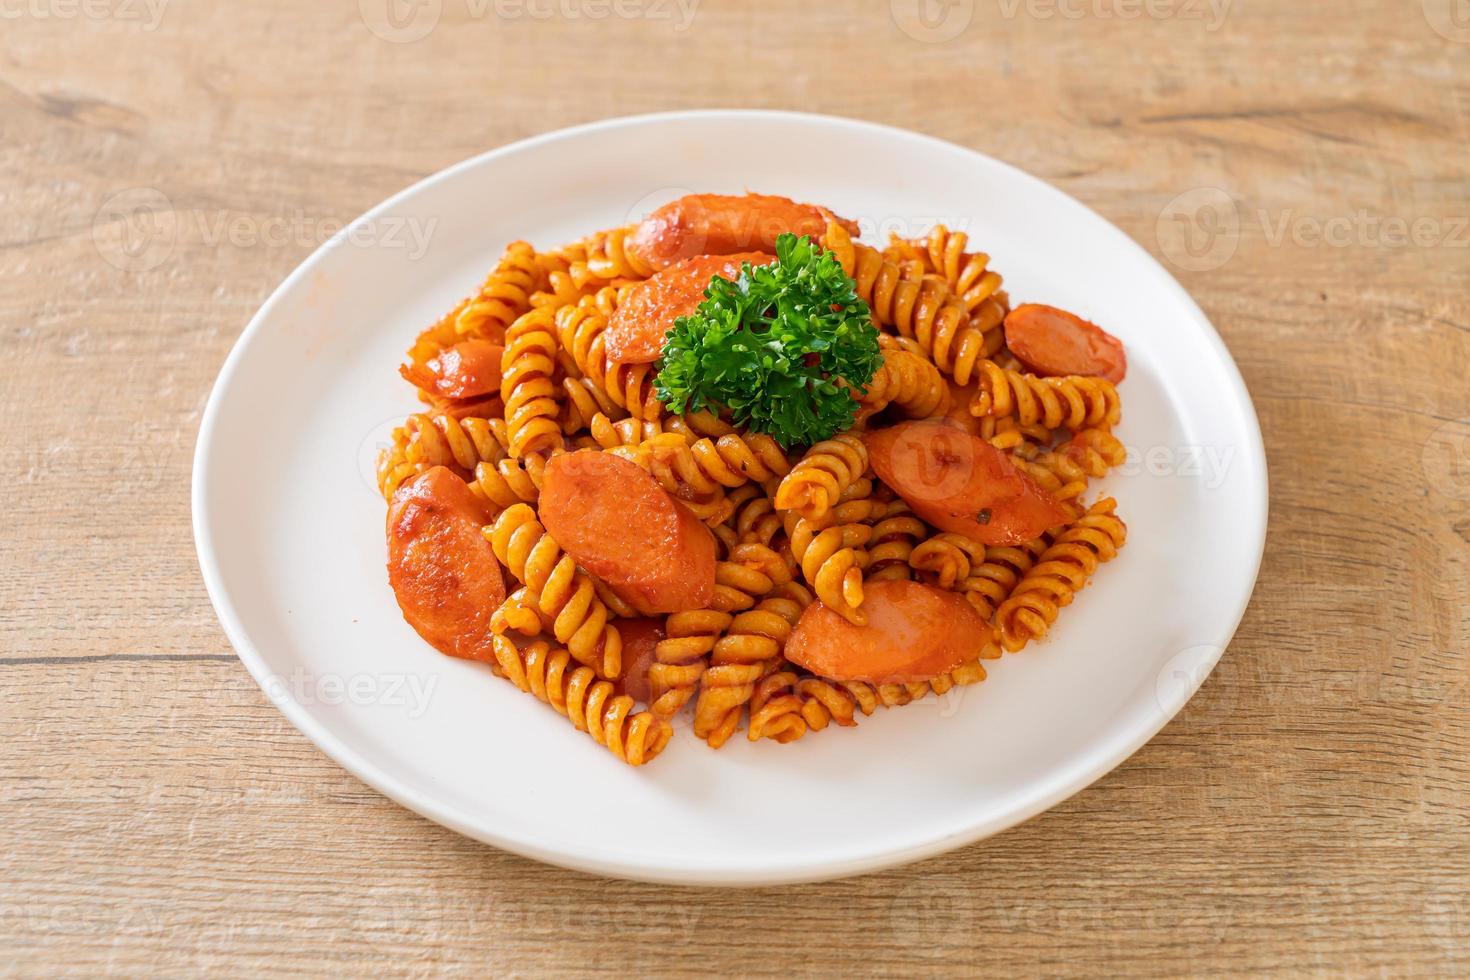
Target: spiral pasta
{"points": [[519, 612], [908, 381], [919, 307], [527, 371], [895, 535], [1055, 473], [607, 433], [832, 556], [610, 260], [581, 328], [1096, 451], [818, 480], [504, 297], [680, 660], [942, 252], [984, 574], [1059, 574], [707, 466], [591, 704], [428, 439], [1074, 402], [789, 703], [750, 647], [508, 482], [440, 439], [565, 595], [393, 467]]}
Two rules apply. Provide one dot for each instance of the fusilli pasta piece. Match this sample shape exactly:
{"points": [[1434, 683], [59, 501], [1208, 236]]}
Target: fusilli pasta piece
{"points": [[894, 537], [505, 295], [789, 703], [680, 659], [581, 328], [942, 252], [439, 439], [984, 574], [919, 307], [564, 593], [831, 554], [1074, 402], [509, 482], [818, 480], [752, 643], [528, 368], [1059, 574], [592, 705], [909, 381]]}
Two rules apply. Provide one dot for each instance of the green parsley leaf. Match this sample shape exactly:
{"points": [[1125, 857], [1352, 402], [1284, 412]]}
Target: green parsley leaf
{"points": [[782, 349]]}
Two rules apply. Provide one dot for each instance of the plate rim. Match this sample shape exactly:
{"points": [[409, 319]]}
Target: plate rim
{"points": [[1060, 784]]}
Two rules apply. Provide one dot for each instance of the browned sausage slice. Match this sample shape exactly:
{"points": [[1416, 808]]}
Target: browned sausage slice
{"points": [[915, 632], [620, 525], [442, 569]]}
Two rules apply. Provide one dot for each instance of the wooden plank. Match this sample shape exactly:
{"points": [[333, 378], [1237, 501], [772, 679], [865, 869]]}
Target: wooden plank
{"points": [[1305, 814]]}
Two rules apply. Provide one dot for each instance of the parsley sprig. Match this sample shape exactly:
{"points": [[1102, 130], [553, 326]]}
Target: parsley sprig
{"points": [[781, 349]]}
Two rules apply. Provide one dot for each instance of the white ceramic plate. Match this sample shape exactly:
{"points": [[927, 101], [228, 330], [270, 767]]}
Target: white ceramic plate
{"points": [[289, 526]]}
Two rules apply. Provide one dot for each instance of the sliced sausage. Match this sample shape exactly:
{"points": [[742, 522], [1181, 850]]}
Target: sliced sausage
{"points": [[619, 524], [646, 313], [1054, 343], [959, 482], [723, 224], [469, 369], [440, 566], [915, 632]]}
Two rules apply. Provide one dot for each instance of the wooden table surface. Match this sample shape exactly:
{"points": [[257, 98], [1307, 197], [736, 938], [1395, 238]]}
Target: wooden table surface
{"points": [[1300, 167]]}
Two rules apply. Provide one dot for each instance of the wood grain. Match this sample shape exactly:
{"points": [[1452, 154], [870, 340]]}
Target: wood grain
{"points": [[1306, 814]]}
